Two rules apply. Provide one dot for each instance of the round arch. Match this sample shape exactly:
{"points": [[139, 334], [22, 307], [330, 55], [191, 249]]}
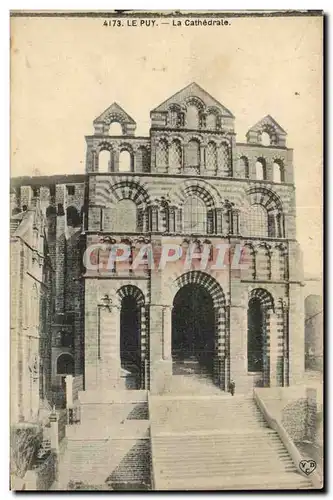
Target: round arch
{"points": [[207, 281], [65, 364], [133, 335], [195, 101], [264, 197], [260, 306], [199, 320], [263, 296], [199, 188], [127, 188], [118, 118], [133, 291]]}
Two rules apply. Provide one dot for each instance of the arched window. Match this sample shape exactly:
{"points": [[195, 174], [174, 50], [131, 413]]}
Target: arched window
{"points": [[125, 161], [174, 118], [193, 153], [192, 117], [255, 336], [175, 155], [65, 364], [195, 215], [265, 139], [211, 158], [142, 160], [125, 216], [225, 159], [211, 121], [257, 221], [115, 129], [104, 160], [162, 154], [243, 168], [260, 169], [278, 171]]}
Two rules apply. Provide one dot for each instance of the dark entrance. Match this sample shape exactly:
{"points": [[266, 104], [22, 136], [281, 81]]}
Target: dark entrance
{"points": [[193, 329], [255, 339], [130, 354]]}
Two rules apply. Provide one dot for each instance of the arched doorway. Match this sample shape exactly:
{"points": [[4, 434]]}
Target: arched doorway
{"points": [[255, 343], [130, 339], [193, 331], [131, 335], [260, 306]]}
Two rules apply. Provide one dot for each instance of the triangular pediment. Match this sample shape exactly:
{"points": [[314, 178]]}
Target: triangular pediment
{"points": [[114, 111], [268, 122], [193, 90]]}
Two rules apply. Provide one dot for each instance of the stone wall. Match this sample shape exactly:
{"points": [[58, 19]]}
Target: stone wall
{"points": [[295, 408]]}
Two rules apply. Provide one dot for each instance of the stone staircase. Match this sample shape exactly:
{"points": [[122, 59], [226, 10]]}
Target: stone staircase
{"points": [[111, 445], [191, 377], [217, 442]]}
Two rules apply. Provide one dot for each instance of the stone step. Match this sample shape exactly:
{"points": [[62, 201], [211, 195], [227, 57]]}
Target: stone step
{"points": [[220, 471], [214, 413], [290, 480], [216, 460], [198, 452], [217, 437]]}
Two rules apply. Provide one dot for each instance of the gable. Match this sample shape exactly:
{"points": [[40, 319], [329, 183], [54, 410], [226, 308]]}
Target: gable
{"points": [[193, 90], [268, 122], [112, 112]]}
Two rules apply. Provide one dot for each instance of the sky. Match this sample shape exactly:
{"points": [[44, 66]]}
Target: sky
{"points": [[66, 71]]}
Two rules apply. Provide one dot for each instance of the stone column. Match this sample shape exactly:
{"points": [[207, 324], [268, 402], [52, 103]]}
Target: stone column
{"points": [[235, 222], [143, 348], [238, 337], [269, 170], [109, 346], [94, 162], [225, 221], [281, 361], [160, 368], [167, 329], [202, 158], [222, 347], [252, 168], [219, 221], [273, 350], [114, 167], [69, 391]]}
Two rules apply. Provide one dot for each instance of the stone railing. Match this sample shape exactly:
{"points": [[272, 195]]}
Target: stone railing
{"points": [[276, 424]]}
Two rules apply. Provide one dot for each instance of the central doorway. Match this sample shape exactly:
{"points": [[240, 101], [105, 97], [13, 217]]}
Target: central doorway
{"points": [[193, 332], [130, 354]]}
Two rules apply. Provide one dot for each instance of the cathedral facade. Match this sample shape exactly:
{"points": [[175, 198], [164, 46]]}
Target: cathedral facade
{"points": [[188, 184]]}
